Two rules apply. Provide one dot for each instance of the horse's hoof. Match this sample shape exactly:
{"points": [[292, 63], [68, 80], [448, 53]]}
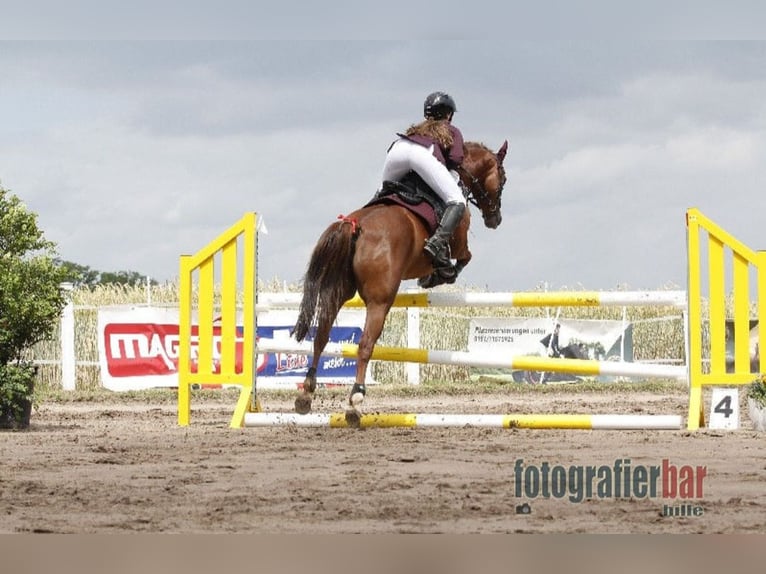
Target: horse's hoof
{"points": [[303, 404], [353, 418]]}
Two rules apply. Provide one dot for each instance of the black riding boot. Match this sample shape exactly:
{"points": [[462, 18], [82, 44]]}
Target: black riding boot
{"points": [[437, 246]]}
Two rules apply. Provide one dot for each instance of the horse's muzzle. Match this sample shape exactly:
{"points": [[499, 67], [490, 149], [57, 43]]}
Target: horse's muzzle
{"points": [[493, 220]]}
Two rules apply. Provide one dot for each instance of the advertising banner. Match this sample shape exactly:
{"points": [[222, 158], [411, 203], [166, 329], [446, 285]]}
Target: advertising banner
{"points": [[138, 349], [572, 339]]}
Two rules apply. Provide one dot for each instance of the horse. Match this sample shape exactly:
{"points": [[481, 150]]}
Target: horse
{"points": [[371, 251]]}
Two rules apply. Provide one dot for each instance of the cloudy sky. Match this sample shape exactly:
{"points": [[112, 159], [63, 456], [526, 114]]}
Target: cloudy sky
{"points": [[134, 152]]}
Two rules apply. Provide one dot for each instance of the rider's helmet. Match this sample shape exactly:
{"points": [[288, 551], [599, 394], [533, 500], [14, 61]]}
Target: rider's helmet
{"points": [[438, 106]]}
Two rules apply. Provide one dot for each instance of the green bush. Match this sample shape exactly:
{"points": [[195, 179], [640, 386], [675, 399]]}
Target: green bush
{"points": [[757, 391], [16, 394], [31, 300]]}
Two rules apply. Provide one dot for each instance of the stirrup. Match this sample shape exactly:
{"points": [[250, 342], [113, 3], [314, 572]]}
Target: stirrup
{"points": [[440, 276]]}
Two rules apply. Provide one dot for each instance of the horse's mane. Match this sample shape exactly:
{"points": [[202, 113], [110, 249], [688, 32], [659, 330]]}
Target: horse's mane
{"points": [[472, 146], [477, 145]]}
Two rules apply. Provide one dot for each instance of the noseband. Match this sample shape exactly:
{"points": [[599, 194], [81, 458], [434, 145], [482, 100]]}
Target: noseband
{"points": [[475, 193]]}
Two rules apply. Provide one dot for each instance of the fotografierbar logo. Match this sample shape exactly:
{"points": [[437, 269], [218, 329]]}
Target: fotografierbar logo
{"points": [[676, 485]]}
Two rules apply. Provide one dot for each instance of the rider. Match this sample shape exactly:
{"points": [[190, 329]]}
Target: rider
{"points": [[433, 149], [551, 342]]}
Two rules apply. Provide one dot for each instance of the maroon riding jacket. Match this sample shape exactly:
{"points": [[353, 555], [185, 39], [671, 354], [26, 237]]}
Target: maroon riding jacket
{"points": [[452, 156]]}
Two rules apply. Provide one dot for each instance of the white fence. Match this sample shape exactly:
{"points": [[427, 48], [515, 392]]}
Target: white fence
{"points": [[69, 361]]}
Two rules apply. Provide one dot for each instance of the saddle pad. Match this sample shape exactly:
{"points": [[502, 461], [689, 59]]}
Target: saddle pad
{"points": [[422, 210]]}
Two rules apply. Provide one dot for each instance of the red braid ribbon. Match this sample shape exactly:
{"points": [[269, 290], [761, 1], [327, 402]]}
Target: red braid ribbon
{"points": [[350, 220]]}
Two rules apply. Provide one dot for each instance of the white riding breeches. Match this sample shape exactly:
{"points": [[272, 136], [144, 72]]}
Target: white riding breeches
{"points": [[405, 155]]}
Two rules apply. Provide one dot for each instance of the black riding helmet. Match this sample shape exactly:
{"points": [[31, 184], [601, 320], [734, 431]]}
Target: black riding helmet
{"points": [[438, 106]]}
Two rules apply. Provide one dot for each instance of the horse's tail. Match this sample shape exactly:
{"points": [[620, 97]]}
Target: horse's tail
{"points": [[329, 281]]}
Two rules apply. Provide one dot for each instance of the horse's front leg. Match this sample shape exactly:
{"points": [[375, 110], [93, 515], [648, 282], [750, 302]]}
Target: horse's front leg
{"points": [[444, 274], [373, 327], [461, 263], [460, 250], [463, 257]]}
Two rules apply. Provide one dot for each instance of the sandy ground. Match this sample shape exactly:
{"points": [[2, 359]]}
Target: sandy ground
{"points": [[128, 468]]}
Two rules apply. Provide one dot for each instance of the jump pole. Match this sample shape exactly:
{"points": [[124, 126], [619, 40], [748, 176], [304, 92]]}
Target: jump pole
{"points": [[512, 299], [476, 359], [428, 420]]}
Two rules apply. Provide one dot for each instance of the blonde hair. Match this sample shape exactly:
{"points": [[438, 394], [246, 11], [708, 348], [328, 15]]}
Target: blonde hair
{"points": [[437, 130]]}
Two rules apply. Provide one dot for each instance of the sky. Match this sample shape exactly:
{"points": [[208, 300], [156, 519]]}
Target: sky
{"points": [[135, 151]]}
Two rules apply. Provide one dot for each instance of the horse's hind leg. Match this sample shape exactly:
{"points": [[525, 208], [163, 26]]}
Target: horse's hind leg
{"points": [[304, 399], [306, 396], [328, 314], [373, 327]]}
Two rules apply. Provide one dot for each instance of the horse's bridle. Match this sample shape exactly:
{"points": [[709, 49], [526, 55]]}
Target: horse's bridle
{"points": [[476, 192]]}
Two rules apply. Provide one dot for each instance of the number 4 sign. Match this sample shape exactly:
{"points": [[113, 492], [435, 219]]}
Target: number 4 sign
{"points": [[724, 408]]}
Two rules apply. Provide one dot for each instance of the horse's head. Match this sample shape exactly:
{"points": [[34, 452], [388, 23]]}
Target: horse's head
{"points": [[483, 175]]}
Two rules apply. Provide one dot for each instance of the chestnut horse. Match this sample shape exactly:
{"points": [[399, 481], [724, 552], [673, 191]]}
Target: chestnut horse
{"points": [[370, 251]]}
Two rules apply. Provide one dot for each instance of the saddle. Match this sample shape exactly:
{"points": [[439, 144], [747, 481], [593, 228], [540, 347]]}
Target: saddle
{"points": [[414, 194]]}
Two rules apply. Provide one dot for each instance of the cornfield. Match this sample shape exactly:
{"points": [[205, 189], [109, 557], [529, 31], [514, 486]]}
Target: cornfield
{"points": [[658, 332]]}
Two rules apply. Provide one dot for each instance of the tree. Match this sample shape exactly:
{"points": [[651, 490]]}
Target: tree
{"points": [[78, 275], [31, 299], [83, 276], [129, 278]]}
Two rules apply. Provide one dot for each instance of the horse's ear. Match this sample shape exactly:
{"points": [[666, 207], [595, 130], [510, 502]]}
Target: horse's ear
{"points": [[502, 151]]}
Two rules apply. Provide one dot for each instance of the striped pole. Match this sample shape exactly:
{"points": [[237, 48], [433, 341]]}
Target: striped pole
{"points": [[425, 420], [521, 299], [482, 359]]}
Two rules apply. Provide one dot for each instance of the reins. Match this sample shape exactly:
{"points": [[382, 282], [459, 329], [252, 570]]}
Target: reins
{"points": [[476, 192]]}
